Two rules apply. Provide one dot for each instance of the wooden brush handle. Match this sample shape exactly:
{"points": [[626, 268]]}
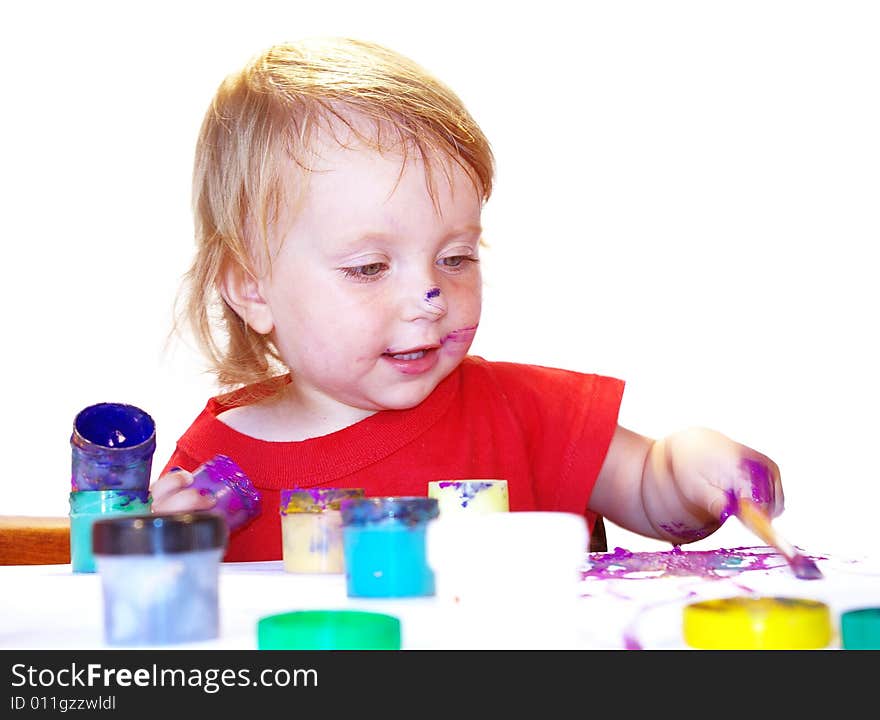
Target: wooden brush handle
{"points": [[756, 520]]}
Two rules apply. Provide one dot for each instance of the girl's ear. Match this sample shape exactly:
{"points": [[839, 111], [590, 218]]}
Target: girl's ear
{"points": [[241, 291]]}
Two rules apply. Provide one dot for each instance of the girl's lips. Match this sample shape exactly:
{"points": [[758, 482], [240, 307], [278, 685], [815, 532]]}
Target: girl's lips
{"points": [[421, 361]]}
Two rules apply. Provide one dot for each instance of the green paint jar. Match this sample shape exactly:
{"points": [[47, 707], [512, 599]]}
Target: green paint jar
{"points": [[329, 630]]}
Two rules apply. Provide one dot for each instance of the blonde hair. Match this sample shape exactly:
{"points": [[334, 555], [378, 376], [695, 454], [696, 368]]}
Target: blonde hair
{"points": [[262, 120]]}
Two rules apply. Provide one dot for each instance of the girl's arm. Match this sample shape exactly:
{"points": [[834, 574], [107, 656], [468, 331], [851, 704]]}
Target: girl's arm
{"points": [[680, 488]]}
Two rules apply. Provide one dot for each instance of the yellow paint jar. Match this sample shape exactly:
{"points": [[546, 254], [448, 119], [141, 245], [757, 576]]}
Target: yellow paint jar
{"points": [[311, 529], [758, 623], [469, 496]]}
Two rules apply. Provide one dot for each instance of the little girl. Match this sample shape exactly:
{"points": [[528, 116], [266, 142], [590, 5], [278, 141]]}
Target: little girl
{"points": [[336, 287]]}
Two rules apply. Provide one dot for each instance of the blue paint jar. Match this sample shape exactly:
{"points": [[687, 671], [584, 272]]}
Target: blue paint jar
{"points": [[112, 447], [384, 546], [86, 507], [160, 575]]}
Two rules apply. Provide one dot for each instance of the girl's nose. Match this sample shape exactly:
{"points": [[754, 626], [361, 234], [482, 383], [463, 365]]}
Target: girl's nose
{"points": [[435, 303]]}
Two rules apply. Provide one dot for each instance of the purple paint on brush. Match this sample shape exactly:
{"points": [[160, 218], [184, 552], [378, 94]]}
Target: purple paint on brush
{"points": [[804, 568]]}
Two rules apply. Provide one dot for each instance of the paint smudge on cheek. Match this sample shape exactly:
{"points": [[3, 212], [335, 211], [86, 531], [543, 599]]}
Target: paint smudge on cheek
{"points": [[463, 335]]}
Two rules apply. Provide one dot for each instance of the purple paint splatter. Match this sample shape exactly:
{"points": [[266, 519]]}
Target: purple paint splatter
{"points": [[710, 564]]}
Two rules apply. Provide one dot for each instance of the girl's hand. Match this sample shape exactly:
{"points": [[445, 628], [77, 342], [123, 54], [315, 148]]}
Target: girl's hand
{"points": [[171, 494], [698, 475], [712, 471]]}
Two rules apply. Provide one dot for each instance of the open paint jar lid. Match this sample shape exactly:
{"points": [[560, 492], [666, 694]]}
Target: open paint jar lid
{"points": [[112, 447], [159, 534], [315, 500], [757, 623], [328, 630], [409, 510], [860, 629]]}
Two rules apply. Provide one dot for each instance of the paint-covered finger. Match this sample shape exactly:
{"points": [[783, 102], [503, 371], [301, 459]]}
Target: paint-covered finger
{"points": [[759, 481], [779, 493], [186, 500]]}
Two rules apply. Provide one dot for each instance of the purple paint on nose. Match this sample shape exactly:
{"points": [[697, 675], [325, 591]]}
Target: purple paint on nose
{"points": [[432, 293], [759, 474]]}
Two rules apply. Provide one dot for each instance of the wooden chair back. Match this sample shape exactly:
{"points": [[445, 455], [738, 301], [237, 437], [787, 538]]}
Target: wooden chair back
{"points": [[28, 540], [598, 541]]}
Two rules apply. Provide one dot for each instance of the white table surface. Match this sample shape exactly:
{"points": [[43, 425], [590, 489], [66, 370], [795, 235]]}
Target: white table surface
{"points": [[49, 607]]}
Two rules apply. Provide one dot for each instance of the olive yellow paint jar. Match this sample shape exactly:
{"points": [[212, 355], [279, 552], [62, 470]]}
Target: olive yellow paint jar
{"points": [[311, 529], [469, 496], [758, 623]]}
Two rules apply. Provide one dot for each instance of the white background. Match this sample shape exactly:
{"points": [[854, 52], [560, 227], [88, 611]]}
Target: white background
{"points": [[687, 198]]}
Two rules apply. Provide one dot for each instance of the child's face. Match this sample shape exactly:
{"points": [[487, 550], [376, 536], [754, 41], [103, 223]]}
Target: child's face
{"points": [[374, 297]]}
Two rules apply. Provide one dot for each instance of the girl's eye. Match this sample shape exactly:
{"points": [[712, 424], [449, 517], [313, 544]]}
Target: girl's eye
{"points": [[364, 272], [456, 261]]}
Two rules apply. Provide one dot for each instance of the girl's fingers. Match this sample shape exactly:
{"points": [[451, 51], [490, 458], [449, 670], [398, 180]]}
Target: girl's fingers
{"points": [[169, 484], [185, 500]]}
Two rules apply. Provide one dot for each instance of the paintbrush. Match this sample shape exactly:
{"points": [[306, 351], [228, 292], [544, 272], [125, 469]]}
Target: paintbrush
{"points": [[756, 520]]}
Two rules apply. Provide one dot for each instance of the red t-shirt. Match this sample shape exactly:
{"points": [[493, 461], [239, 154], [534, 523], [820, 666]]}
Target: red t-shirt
{"points": [[544, 430]]}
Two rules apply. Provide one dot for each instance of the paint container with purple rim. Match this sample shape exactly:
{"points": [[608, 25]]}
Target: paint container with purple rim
{"points": [[470, 496], [160, 577], [384, 546], [112, 447], [88, 506], [235, 496], [311, 529]]}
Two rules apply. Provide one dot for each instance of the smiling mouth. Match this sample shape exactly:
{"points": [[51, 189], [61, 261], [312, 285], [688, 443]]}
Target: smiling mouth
{"points": [[409, 354]]}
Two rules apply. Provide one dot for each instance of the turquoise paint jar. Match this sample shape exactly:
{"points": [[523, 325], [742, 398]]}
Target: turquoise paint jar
{"points": [[860, 629], [160, 577], [87, 506], [384, 546]]}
